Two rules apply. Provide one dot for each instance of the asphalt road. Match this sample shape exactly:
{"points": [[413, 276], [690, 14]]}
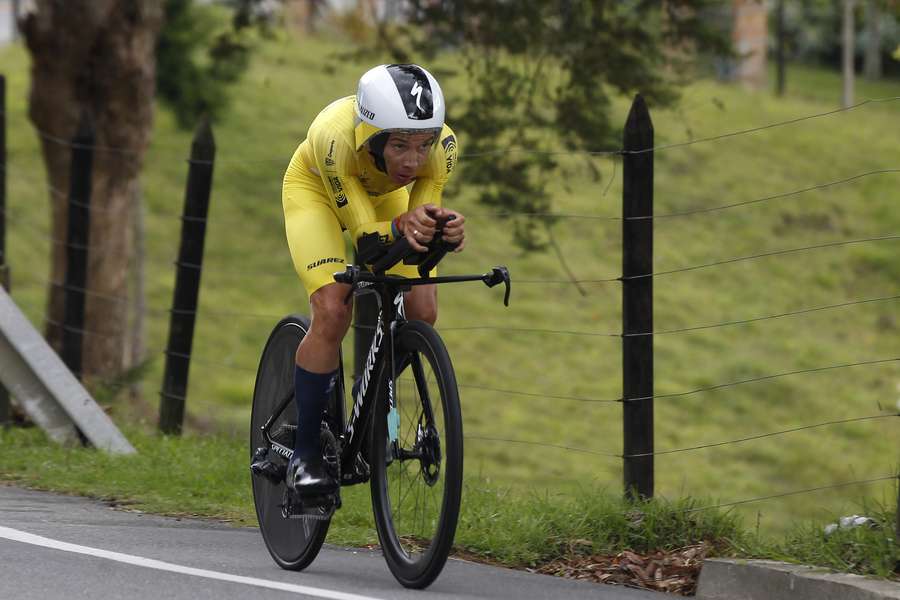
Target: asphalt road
{"points": [[54, 546]]}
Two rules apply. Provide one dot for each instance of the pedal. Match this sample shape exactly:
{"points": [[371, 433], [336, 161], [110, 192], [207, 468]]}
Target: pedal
{"points": [[312, 508], [262, 465]]}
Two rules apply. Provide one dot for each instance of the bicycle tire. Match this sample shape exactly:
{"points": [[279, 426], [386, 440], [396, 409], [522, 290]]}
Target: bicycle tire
{"points": [[416, 542], [293, 543]]}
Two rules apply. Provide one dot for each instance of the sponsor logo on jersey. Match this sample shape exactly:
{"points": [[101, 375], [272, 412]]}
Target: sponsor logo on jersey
{"points": [[323, 261], [337, 190], [449, 144], [329, 159]]}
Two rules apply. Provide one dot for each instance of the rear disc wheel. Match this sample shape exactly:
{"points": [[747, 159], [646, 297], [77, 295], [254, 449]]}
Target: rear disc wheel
{"points": [[293, 543]]}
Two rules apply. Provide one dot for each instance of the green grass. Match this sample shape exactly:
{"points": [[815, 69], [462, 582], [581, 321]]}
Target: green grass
{"points": [[248, 283], [871, 550], [206, 476]]}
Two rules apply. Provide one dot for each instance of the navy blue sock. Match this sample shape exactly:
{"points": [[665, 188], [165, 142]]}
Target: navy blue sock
{"points": [[311, 392]]}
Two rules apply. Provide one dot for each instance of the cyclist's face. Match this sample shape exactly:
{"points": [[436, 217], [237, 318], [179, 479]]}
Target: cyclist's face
{"points": [[405, 153]]}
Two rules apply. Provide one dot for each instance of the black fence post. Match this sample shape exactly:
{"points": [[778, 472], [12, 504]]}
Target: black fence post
{"points": [[637, 301], [187, 280], [897, 523], [5, 409], [77, 242]]}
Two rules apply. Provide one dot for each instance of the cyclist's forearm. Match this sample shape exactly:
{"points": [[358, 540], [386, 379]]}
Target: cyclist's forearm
{"points": [[426, 191]]}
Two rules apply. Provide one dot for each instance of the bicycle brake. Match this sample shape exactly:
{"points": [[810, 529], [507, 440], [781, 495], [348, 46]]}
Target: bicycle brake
{"points": [[497, 276]]}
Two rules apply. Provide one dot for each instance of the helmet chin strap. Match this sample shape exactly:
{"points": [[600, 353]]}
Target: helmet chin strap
{"points": [[375, 147]]}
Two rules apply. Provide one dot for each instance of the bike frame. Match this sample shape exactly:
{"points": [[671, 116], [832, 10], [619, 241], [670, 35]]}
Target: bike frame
{"points": [[389, 292], [351, 435], [390, 316]]}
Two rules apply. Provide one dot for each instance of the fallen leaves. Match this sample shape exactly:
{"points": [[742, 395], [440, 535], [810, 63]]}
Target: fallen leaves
{"points": [[672, 571]]}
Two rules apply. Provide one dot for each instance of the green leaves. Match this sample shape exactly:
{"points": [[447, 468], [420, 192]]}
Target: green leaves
{"points": [[199, 54], [539, 77]]}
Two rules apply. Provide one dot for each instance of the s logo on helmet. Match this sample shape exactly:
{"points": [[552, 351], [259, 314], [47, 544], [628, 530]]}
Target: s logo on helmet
{"points": [[417, 92]]}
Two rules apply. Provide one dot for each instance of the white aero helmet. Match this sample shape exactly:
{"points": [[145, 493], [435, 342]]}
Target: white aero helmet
{"points": [[397, 98]]}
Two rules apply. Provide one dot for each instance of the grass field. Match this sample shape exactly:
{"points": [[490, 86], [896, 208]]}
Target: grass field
{"points": [[248, 283]]}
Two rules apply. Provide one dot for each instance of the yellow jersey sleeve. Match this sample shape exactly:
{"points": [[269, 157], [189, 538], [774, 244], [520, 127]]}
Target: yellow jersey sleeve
{"points": [[335, 157], [429, 185]]}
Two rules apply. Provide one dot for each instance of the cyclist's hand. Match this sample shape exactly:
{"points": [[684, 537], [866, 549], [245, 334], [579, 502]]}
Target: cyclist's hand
{"points": [[417, 225], [455, 230]]}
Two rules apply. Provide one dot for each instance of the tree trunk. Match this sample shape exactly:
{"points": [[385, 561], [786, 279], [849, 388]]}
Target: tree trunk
{"points": [[750, 37], [849, 47], [302, 16], [99, 56], [872, 65]]}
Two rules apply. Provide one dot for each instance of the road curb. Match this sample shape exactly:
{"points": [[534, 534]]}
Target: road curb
{"points": [[728, 579]]}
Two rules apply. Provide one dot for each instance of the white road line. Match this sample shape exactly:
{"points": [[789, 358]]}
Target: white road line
{"points": [[140, 561]]}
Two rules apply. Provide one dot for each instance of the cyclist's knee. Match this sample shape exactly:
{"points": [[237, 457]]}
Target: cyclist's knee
{"points": [[331, 316], [427, 313], [421, 305]]}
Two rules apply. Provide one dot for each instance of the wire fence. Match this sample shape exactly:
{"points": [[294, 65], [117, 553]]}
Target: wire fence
{"points": [[687, 449], [21, 222]]}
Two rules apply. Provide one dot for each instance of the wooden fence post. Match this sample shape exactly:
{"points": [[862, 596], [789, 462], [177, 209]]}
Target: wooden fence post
{"points": [[77, 242], [637, 301], [187, 281], [5, 409]]}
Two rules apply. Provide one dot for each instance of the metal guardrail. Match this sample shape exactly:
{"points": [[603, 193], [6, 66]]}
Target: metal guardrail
{"points": [[46, 390]]}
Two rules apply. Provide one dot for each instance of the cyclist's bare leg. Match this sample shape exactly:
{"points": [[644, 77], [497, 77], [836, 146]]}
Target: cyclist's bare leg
{"points": [[317, 359], [420, 303], [318, 352]]}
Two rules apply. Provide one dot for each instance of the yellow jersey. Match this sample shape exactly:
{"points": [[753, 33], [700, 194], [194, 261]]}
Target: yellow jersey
{"points": [[349, 177]]}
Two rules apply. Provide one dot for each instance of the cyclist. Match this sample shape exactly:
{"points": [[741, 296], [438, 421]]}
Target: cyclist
{"points": [[351, 173]]}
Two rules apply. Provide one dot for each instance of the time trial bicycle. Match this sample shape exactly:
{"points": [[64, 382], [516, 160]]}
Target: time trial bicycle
{"points": [[403, 430]]}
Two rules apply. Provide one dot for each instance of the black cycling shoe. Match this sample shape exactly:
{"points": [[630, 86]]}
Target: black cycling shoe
{"points": [[310, 478]]}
